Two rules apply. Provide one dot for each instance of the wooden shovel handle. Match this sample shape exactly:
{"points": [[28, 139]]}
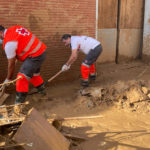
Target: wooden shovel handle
{"points": [[53, 77], [2, 92]]}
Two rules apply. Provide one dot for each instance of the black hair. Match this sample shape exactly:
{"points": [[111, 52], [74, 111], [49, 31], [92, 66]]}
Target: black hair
{"points": [[2, 28], [66, 36]]}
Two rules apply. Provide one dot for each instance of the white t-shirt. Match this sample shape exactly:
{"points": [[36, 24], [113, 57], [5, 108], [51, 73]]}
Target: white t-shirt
{"points": [[10, 48], [83, 43]]}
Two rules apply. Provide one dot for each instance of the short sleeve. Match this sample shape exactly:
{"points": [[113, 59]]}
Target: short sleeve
{"points": [[74, 44], [10, 49]]}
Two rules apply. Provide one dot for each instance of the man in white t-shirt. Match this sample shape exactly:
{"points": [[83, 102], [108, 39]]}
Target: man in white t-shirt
{"points": [[90, 47]]}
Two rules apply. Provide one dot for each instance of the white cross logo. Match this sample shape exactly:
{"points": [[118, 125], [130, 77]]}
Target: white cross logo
{"points": [[23, 31]]}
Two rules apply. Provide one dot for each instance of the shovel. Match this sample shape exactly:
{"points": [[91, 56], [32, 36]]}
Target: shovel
{"points": [[49, 80], [3, 95], [53, 77]]}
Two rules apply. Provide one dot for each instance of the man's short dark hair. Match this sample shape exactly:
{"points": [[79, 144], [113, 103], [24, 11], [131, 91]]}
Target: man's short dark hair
{"points": [[2, 28], [66, 36]]}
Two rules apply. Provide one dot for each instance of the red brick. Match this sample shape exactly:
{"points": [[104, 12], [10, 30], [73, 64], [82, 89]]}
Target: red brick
{"points": [[49, 19]]}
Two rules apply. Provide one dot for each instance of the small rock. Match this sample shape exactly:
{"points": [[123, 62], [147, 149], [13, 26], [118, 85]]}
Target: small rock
{"points": [[96, 92], [134, 95], [103, 143], [148, 95], [145, 90], [90, 104]]}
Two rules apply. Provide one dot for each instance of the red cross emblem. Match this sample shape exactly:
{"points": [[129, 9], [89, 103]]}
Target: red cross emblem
{"points": [[23, 31]]}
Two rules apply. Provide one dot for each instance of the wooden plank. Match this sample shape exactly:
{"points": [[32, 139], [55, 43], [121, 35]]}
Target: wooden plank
{"points": [[75, 118], [131, 14], [107, 14], [35, 129], [14, 145], [3, 98]]}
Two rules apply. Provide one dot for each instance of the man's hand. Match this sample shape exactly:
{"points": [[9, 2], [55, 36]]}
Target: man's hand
{"points": [[65, 67], [6, 80], [4, 86]]}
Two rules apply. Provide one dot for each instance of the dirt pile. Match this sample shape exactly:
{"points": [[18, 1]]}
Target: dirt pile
{"points": [[130, 96]]}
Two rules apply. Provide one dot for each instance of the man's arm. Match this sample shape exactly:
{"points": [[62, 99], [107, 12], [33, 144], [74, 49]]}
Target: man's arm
{"points": [[11, 67], [73, 57], [10, 50]]}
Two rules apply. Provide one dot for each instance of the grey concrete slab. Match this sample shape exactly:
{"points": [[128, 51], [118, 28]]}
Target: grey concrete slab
{"points": [[129, 43], [107, 37], [146, 36]]}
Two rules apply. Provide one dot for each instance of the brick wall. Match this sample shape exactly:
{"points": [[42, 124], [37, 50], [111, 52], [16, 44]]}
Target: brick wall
{"points": [[48, 20]]}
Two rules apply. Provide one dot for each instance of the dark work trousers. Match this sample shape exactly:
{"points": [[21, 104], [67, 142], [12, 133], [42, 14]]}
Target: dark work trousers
{"points": [[32, 65], [92, 56]]}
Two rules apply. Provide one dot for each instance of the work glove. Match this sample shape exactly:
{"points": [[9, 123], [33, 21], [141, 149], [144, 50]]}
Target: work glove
{"points": [[65, 67], [4, 86], [6, 80]]}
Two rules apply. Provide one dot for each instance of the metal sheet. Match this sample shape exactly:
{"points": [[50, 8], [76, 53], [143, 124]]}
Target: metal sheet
{"points": [[43, 136], [131, 14], [107, 15]]}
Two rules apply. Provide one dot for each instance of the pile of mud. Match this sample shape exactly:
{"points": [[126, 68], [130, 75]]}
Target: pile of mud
{"points": [[130, 96]]}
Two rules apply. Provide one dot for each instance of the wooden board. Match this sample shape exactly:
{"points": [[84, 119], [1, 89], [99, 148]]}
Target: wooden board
{"points": [[107, 14], [3, 98], [131, 14], [43, 136]]}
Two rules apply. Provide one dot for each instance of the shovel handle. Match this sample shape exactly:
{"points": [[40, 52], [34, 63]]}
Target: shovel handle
{"points": [[10, 82], [53, 77], [2, 92]]}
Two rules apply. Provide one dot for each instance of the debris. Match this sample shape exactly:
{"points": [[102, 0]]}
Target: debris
{"points": [[90, 104], [11, 121], [18, 109], [8, 116], [145, 90], [16, 145], [75, 137], [37, 130], [26, 103], [57, 124], [3, 113], [135, 94], [95, 92], [148, 95]]}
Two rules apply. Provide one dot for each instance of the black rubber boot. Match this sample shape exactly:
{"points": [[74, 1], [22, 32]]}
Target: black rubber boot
{"points": [[84, 83], [92, 77], [41, 88], [20, 97]]}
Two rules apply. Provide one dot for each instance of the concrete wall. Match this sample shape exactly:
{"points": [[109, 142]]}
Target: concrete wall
{"points": [[48, 20], [146, 38]]}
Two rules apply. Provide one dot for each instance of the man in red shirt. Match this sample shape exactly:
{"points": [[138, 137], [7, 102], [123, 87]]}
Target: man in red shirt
{"points": [[19, 43]]}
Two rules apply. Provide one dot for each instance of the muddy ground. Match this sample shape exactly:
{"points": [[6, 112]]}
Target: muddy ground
{"points": [[120, 95]]}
